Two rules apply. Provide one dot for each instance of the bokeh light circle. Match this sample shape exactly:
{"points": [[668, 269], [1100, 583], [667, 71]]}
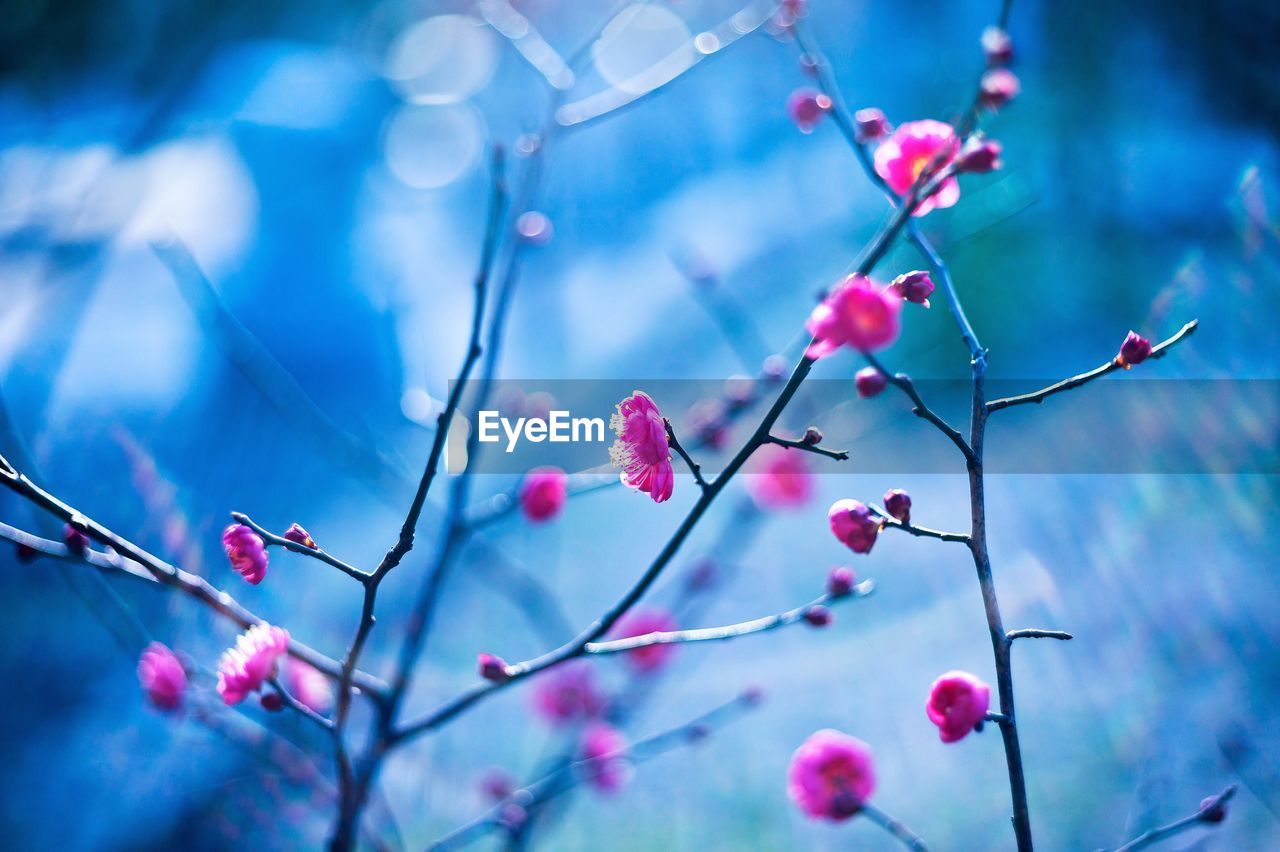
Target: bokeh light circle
{"points": [[442, 60], [427, 147], [638, 38]]}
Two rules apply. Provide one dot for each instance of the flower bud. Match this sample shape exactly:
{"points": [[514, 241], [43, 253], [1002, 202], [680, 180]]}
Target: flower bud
{"points": [[1211, 811], [915, 286], [979, 156], [497, 784], [806, 107], [898, 504], [298, 535], [840, 582], [818, 615], [958, 703], [997, 87], [869, 382], [870, 125], [812, 436], [492, 668], [272, 702], [27, 554], [76, 541], [855, 525], [1134, 350], [997, 45]]}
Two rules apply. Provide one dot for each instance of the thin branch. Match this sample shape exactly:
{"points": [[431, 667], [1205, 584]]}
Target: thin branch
{"points": [[297, 706], [1205, 814], [903, 383], [731, 631], [694, 467], [838, 455], [912, 529], [1035, 633], [904, 835], [314, 552], [528, 42], [1157, 351]]}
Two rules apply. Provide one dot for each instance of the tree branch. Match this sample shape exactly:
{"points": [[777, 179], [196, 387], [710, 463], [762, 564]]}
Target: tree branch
{"points": [[838, 455], [912, 529], [1204, 814], [314, 552], [694, 467], [1035, 633]]}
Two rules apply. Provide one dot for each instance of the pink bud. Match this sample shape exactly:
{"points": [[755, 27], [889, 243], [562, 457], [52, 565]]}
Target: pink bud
{"points": [[979, 156], [162, 677], [497, 784], [272, 702], [871, 125], [812, 436], [1210, 812], [818, 616], [27, 554], [298, 535], [898, 504], [997, 45], [854, 524], [957, 703], [492, 668], [534, 228], [76, 541], [604, 748], [869, 382], [831, 775], [915, 286], [246, 552], [1134, 350], [840, 582], [641, 623], [806, 107], [998, 86], [543, 493]]}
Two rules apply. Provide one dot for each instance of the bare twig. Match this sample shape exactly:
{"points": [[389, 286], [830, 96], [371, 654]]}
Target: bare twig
{"points": [[838, 455], [900, 832], [694, 467], [314, 552], [922, 532], [1035, 633], [1204, 815]]}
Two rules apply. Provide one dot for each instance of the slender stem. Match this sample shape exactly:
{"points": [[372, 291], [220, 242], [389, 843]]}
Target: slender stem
{"points": [[1204, 814], [314, 552], [912, 529], [906, 836], [838, 455], [1035, 633], [694, 467], [903, 383], [1157, 351], [731, 631], [297, 706]]}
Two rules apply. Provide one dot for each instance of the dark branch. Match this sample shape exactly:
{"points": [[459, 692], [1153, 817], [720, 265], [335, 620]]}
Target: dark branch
{"points": [[1033, 633], [922, 532], [694, 467], [838, 455], [1207, 814], [314, 552]]}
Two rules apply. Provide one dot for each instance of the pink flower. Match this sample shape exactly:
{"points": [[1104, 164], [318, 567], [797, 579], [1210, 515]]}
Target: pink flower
{"points": [[818, 616], [297, 535], [1134, 350], [309, 685], [898, 504], [806, 107], [856, 313], [915, 286], [251, 662], [641, 449], [840, 582], [871, 125], [831, 775], [854, 525], [779, 478], [543, 492], [568, 694], [998, 86], [162, 677], [869, 382], [957, 702], [247, 552], [980, 156], [604, 748], [641, 623], [492, 668], [997, 45], [913, 148]]}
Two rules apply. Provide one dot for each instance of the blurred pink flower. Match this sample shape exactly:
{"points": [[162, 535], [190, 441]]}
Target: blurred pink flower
{"points": [[605, 748], [997, 45], [543, 492], [247, 552], [641, 449], [568, 694], [957, 702], [641, 623], [831, 775], [1134, 350], [999, 86], [871, 125], [854, 525], [309, 685], [840, 581], [980, 156], [162, 676], [806, 107], [913, 148], [869, 382], [856, 313], [251, 661], [779, 478]]}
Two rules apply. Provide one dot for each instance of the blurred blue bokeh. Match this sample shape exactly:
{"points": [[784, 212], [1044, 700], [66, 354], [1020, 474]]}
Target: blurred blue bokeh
{"points": [[326, 164]]}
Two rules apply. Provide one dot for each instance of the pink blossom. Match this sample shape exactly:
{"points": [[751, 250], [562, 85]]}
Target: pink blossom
{"points": [[779, 478], [309, 685], [568, 694], [806, 107], [641, 623], [997, 45], [604, 748], [1134, 350], [247, 552], [913, 148], [492, 668], [915, 286], [856, 313], [998, 86], [840, 581], [543, 492], [869, 382], [162, 677], [871, 125], [251, 662], [298, 535], [854, 525], [641, 449], [979, 156], [818, 616], [957, 702], [831, 775], [898, 504]]}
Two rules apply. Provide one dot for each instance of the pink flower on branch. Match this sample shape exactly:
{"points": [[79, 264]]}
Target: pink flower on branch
{"points": [[871, 125], [297, 535], [997, 46], [641, 449], [869, 382], [1134, 350], [251, 662], [604, 749], [856, 313], [898, 504], [806, 107], [958, 701], [162, 677], [246, 551], [568, 694], [543, 493], [779, 478], [854, 524], [915, 286], [649, 658], [997, 87], [831, 775], [920, 148]]}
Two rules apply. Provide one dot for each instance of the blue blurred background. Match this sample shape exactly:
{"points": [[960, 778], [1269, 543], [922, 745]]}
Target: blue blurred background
{"points": [[325, 162]]}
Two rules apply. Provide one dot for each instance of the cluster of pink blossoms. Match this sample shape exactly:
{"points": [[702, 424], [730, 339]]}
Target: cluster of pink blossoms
{"points": [[642, 449], [251, 662]]}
